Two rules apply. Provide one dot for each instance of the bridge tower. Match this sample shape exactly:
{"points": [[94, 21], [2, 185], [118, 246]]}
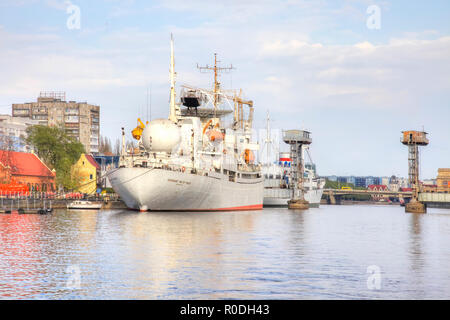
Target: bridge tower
{"points": [[414, 139], [296, 139]]}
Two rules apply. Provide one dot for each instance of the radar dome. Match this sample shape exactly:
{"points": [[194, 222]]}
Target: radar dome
{"points": [[161, 135]]}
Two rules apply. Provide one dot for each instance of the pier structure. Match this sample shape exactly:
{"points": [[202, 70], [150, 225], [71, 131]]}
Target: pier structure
{"points": [[296, 139], [335, 195], [414, 139]]}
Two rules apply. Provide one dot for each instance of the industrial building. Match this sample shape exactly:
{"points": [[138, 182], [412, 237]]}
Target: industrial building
{"points": [[106, 162], [80, 119], [363, 182]]}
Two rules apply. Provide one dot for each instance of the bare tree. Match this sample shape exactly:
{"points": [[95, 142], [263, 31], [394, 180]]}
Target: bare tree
{"points": [[105, 145], [117, 147]]}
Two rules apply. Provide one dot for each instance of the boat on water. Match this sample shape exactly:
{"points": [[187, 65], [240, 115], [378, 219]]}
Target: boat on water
{"points": [[277, 192], [83, 205], [277, 174], [199, 159]]}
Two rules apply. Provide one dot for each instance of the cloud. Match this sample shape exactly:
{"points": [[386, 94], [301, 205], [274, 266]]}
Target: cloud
{"points": [[282, 52], [370, 75], [58, 4], [378, 74]]}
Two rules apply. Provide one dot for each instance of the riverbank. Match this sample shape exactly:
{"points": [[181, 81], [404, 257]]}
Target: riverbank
{"points": [[15, 204]]}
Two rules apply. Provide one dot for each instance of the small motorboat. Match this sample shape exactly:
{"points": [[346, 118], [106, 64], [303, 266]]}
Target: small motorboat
{"points": [[84, 204]]}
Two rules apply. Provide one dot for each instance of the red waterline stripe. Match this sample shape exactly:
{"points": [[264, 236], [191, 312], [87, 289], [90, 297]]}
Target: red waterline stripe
{"points": [[251, 207], [242, 208]]}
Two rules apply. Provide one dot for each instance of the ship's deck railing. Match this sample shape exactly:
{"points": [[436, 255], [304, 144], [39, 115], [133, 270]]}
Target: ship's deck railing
{"points": [[251, 169]]}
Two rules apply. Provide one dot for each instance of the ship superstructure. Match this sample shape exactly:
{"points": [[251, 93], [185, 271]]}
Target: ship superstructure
{"points": [[199, 159]]}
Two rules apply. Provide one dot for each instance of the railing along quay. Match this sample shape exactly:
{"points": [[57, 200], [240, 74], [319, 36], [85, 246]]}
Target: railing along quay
{"points": [[45, 202]]}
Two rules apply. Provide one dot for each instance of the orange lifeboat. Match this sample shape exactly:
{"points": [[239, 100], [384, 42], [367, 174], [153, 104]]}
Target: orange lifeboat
{"points": [[249, 157], [215, 135]]}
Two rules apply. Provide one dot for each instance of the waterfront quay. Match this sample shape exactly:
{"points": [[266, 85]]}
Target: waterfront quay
{"points": [[32, 203]]}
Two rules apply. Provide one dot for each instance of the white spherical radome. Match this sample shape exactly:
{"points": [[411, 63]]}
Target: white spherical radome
{"points": [[161, 135]]}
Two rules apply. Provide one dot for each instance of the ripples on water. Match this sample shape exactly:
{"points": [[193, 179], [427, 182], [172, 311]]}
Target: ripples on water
{"points": [[271, 254]]}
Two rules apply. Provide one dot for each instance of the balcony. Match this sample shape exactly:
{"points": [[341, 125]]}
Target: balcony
{"points": [[72, 119], [40, 110], [21, 112], [39, 117], [72, 111]]}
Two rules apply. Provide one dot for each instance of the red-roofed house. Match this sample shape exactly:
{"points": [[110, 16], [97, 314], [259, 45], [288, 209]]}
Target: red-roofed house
{"points": [[27, 169]]}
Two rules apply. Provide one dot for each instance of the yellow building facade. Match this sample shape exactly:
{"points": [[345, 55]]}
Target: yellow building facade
{"points": [[85, 172]]}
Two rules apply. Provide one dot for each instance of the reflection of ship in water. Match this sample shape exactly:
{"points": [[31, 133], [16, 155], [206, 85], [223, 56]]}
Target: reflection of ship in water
{"points": [[174, 250], [277, 191], [199, 159]]}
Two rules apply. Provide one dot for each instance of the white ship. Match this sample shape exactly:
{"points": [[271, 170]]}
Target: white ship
{"points": [[199, 159], [84, 204], [277, 191], [276, 183]]}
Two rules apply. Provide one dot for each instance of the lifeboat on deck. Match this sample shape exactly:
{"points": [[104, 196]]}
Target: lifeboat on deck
{"points": [[215, 135], [249, 156]]}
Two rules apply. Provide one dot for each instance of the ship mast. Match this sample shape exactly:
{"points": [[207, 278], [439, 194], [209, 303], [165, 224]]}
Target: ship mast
{"points": [[172, 115], [216, 70], [268, 139]]}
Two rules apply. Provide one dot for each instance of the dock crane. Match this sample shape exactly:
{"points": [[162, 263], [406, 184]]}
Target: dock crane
{"points": [[239, 112]]}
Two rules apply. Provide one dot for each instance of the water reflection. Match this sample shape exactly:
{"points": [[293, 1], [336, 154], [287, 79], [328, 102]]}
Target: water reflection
{"points": [[416, 254], [273, 254], [20, 254]]}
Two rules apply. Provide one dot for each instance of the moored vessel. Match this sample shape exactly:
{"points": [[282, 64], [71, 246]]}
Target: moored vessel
{"points": [[199, 159], [277, 178], [84, 204], [276, 183]]}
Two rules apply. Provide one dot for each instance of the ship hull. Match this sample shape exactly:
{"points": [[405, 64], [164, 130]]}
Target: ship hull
{"points": [[281, 197], [164, 190]]}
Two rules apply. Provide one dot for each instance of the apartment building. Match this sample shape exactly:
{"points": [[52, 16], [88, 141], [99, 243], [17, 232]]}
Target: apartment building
{"points": [[13, 132], [80, 119]]}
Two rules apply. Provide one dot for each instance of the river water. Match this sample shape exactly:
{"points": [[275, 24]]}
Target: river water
{"points": [[331, 252]]}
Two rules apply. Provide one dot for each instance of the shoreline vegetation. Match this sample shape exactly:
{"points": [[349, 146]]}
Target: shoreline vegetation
{"points": [[357, 197]]}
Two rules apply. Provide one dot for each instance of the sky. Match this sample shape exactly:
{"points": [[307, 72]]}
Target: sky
{"points": [[353, 72]]}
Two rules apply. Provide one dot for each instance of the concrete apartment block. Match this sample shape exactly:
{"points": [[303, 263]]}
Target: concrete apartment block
{"points": [[80, 119]]}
